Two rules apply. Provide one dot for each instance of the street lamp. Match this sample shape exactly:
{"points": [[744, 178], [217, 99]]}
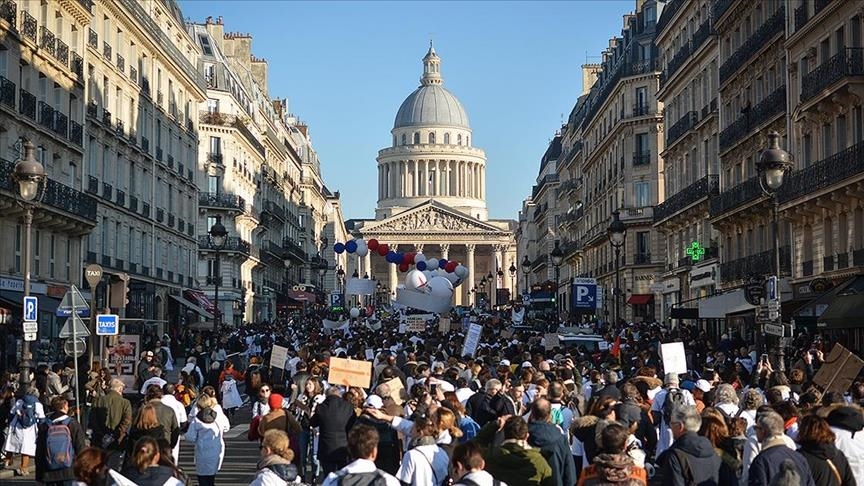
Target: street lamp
{"points": [[340, 274], [557, 257], [773, 164], [526, 269], [512, 271], [617, 234], [218, 238], [30, 176]]}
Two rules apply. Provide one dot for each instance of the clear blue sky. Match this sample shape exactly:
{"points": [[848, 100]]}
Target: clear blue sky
{"points": [[345, 68]]}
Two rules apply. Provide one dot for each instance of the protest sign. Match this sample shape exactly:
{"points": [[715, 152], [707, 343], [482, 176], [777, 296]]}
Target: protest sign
{"points": [[550, 340], [472, 339], [674, 359], [397, 391], [838, 371], [444, 325], [360, 286], [370, 354], [416, 324], [278, 356], [350, 372]]}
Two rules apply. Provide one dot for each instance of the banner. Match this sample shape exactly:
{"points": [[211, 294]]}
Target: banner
{"points": [[550, 340], [472, 339], [444, 325], [123, 357], [278, 357], [335, 325], [360, 286], [416, 324], [350, 372], [517, 316], [674, 359], [373, 325]]}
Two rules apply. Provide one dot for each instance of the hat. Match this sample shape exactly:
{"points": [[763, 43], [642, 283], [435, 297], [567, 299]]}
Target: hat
{"points": [[275, 401], [527, 364], [703, 385], [671, 379], [847, 418], [149, 353], [504, 362], [373, 401]]}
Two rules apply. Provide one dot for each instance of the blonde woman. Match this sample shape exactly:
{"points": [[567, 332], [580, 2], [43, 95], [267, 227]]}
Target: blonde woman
{"points": [[275, 466], [206, 433]]}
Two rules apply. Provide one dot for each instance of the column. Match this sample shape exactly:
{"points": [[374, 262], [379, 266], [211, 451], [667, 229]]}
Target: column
{"points": [[394, 280], [367, 263], [445, 251], [493, 285], [426, 189], [469, 249]]}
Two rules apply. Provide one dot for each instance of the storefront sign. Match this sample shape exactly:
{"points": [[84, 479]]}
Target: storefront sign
{"points": [[703, 276], [695, 251], [16, 285], [671, 285]]}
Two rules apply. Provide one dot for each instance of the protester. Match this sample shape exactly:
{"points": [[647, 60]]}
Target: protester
{"points": [[58, 443], [552, 444], [847, 422], [91, 467], [827, 463], [363, 447], [144, 468], [467, 466], [21, 438], [514, 461], [275, 467], [769, 431], [207, 436], [690, 459], [613, 464], [334, 417], [425, 462]]}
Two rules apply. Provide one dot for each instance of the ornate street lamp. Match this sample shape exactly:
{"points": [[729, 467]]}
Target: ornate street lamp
{"points": [[617, 233], [29, 174], [773, 164], [557, 257], [526, 269], [218, 237], [512, 271]]}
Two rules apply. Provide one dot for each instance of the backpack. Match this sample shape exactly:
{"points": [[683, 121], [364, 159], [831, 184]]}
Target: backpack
{"points": [[28, 411], [674, 399], [58, 445], [557, 416], [362, 479], [253, 429]]}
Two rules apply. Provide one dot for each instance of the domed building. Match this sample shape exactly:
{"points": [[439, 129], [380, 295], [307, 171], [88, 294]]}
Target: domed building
{"points": [[432, 196]]}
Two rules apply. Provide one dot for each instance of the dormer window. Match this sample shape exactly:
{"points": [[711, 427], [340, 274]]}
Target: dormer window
{"points": [[431, 137], [416, 138]]}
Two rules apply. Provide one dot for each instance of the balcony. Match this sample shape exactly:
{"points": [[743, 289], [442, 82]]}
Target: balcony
{"points": [[121, 64], [181, 225], [106, 51], [133, 75], [232, 243], [9, 12], [61, 52], [824, 173], [274, 252], [710, 108], [828, 263], [757, 264], [669, 11], [170, 161], [676, 62], [642, 158], [221, 201], [802, 16], [7, 93], [121, 198], [57, 196], [159, 154], [681, 127], [61, 124], [119, 128], [159, 98], [641, 109], [92, 185], [758, 41], [842, 261], [77, 65], [707, 186], [46, 115], [107, 191], [93, 39], [293, 249], [273, 210], [145, 144], [145, 86], [27, 106], [160, 215], [106, 260], [106, 117], [752, 118], [47, 41], [28, 26], [847, 63], [92, 110], [217, 118], [744, 193], [133, 204]]}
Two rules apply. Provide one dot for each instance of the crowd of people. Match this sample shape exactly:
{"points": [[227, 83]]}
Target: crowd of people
{"points": [[516, 410]]}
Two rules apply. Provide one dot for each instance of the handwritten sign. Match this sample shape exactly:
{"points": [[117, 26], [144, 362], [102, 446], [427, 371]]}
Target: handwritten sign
{"points": [[396, 390], [444, 325], [350, 372], [674, 359], [416, 324], [370, 354], [838, 371], [278, 356], [472, 339]]}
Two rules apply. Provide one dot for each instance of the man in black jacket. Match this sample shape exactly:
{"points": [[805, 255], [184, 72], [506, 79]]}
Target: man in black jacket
{"points": [[334, 417], [59, 416], [487, 406], [691, 458]]}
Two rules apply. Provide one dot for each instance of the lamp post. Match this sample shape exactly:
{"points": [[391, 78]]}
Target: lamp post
{"points": [[218, 238], [340, 274], [557, 257], [512, 271], [30, 176], [773, 164], [526, 270], [617, 234]]}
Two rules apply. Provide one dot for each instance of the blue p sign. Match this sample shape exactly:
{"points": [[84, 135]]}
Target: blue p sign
{"points": [[31, 308]]}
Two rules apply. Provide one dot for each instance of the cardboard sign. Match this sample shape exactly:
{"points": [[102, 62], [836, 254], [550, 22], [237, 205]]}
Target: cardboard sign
{"points": [[550, 340], [416, 324], [350, 372], [472, 339], [838, 371], [444, 325], [602, 345], [278, 357], [397, 391], [674, 359]]}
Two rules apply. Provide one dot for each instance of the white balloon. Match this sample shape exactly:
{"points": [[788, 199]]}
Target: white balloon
{"points": [[354, 313], [429, 274], [419, 257], [431, 263], [451, 277], [415, 280], [461, 271], [362, 248], [441, 287]]}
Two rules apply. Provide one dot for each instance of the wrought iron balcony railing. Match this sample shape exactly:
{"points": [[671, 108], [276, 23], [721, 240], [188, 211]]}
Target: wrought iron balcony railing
{"points": [[92, 39], [761, 263], [61, 52], [47, 41], [9, 12], [751, 118], [106, 51], [743, 193], [846, 63], [824, 173], [7, 93], [77, 65], [121, 63], [802, 16], [641, 158], [61, 124], [705, 187], [92, 185], [58, 196], [76, 133], [682, 126], [232, 243], [27, 104], [767, 31], [221, 200], [46, 115], [28, 26]]}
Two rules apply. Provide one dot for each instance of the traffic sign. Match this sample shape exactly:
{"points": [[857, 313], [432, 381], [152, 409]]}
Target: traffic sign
{"points": [[93, 273], [31, 308], [30, 336], [337, 300], [585, 293], [107, 325], [74, 323], [73, 299], [773, 329], [75, 347], [31, 326]]}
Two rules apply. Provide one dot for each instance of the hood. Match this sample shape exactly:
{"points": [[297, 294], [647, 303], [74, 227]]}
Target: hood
{"points": [[280, 467], [542, 433], [614, 468], [822, 451], [206, 415], [695, 445], [585, 421]]}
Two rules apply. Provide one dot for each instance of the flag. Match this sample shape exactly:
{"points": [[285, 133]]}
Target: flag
{"points": [[616, 348]]}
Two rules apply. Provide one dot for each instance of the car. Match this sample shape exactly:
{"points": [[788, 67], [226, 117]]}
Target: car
{"points": [[575, 337]]}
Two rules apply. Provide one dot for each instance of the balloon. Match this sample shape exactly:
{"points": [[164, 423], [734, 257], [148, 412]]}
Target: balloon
{"points": [[339, 247], [462, 271], [419, 257], [453, 278], [409, 258], [382, 249], [421, 265], [429, 274], [432, 263], [351, 246], [403, 267], [362, 248], [372, 244], [391, 256], [354, 313], [400, 258], [440, 287], [450, 267], [415, 280]]}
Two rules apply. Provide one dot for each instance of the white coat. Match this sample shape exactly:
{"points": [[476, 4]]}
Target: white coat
{"points": [[22, 440], [230, 394], [209, 446], [852, 446]]}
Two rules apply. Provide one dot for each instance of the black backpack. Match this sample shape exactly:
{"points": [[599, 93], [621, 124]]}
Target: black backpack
{"points": [[374, 478], [674, 399]]}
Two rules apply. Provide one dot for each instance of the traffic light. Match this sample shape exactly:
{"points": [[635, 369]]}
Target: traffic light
{"points": [[119, 293]]}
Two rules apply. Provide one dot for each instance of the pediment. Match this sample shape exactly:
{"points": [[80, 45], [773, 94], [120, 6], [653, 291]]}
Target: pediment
{"points": [[431, 217]]}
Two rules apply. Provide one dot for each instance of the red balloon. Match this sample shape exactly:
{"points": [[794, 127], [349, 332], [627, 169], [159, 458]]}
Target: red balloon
{"points": [[450, 267], [403, 267], [383, 249], [372, 244], [409, 258]]}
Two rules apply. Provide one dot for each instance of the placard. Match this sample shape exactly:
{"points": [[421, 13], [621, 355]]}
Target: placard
{"points": [[550, 340], [335, 325], [674, 359], [472, 339], [360, 286], [396, 390], [350, 372], [444, 325], [838, 371], [416, 324], [370, 354], [602, 345], [278, 356], [507, 333], [122, 358]]}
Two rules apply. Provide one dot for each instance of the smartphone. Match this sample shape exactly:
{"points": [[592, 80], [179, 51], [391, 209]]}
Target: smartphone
{"points": [[433, 389], [764, 358]]}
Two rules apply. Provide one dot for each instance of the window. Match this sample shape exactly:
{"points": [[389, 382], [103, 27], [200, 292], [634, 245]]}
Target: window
{"points": [[643, 144], [841, 133], [416, 138], [404, 139], [215, 145], [807, 150], [643, 245], [643, 194], [68, 259], [827, 148], [51, 256], [18, 248], [447, 138], [459, 139], [431, 137], [212, 105]]}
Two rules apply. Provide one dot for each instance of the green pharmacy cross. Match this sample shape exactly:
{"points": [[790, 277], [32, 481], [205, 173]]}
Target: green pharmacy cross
{"points": [[696, 251]]}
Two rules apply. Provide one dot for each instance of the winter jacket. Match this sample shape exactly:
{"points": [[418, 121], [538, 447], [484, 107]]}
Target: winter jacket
{"points": [[334, 417], [279, 419], [111, 414], [613, 469], [817, 456], [555, 448], [767, 464], [690, 461], [484, 408], [167, 419], [152, 476], [206, 433], [585, 429], [389, 445], [78, 444], [518, 465], [274, 470], [847, 424]]}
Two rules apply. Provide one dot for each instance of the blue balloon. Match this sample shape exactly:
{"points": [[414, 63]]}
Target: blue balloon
{"points": [[400, 258], [351, 246], [421, 266], [391, 256], [339, 248]]}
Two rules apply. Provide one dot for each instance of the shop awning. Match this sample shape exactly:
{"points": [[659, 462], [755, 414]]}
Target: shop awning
{"points": [[192, 306], [640, 299], [16, 300], [5, 315], [717, 306], [684, 313], [198, 297], [846, 310]]}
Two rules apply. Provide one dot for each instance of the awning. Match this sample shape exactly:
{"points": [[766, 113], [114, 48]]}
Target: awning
{"points": [[684, 313], [16, 300], [192, 306], [717, 306], [200, 299], [847, 309], [640, 299]]}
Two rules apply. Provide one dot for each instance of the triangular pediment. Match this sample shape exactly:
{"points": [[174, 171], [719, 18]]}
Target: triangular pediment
{"points": [[431, 217]]}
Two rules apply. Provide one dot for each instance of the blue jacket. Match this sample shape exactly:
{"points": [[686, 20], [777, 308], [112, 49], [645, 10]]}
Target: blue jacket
{"points": [[767, 464], [555, 448], [690, 460]]}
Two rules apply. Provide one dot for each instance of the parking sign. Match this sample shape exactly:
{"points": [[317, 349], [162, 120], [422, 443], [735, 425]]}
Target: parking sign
{"points": [[585, 294], [31, 308]]}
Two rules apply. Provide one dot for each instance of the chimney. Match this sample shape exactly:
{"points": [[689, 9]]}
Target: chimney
{"points": [[303, 129], [216, 31], [259, 73], [590, 72]]}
